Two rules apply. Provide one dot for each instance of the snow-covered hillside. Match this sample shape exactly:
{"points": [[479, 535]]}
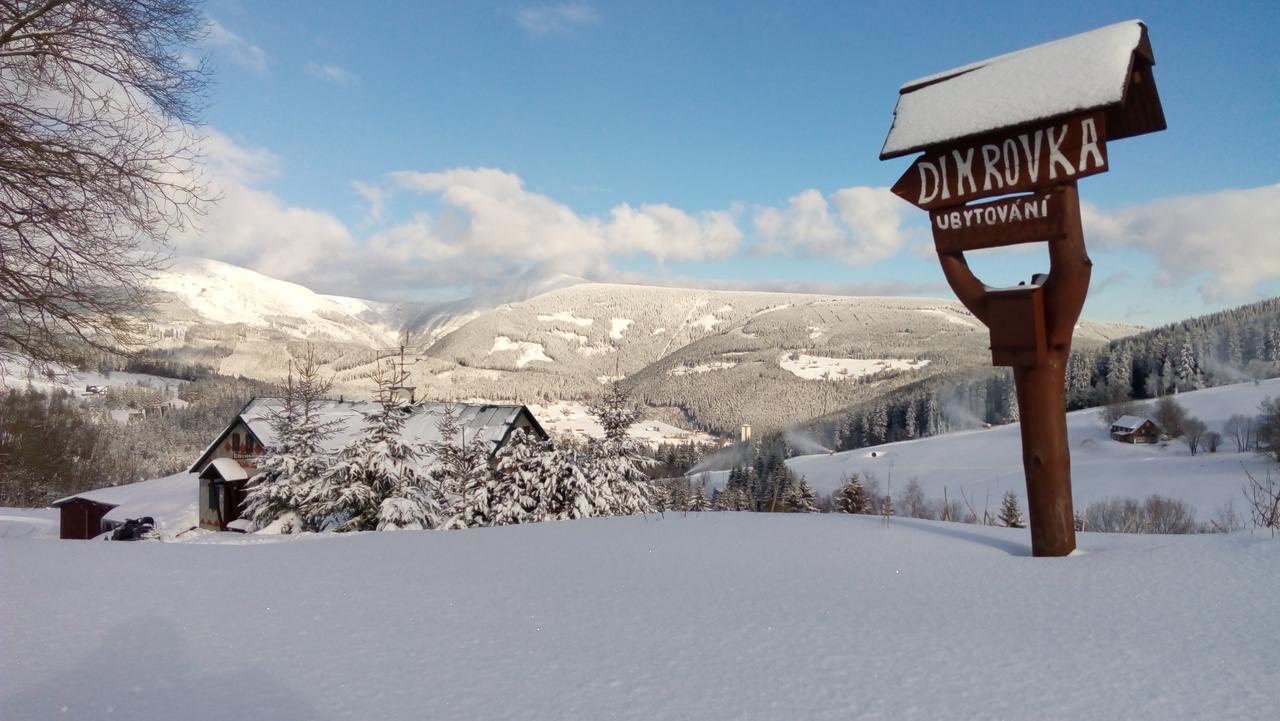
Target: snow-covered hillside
{"points": [[986, 463], [18, 375], [710, 616], [727, 357]]}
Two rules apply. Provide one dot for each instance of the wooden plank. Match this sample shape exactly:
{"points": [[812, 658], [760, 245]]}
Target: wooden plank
{"points": [[1008, 221], [1032, 157]]}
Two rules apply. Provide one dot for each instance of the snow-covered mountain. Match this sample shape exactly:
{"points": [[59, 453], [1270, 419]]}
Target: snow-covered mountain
{"points": [[197, 290], [723, 357]]}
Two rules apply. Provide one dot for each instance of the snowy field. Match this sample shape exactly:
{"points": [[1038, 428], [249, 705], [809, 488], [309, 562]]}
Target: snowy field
{"points": [[989, 461], [812, 367], [16, 375], [711, 616]]}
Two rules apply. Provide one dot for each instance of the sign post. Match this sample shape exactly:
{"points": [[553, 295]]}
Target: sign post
{"points": [[1035, 158]]}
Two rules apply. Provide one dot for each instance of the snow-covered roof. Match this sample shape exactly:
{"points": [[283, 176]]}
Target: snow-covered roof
{"points": [[171, 501], [1074, 74], [488, 422], [228, 469], [1131, 423]]}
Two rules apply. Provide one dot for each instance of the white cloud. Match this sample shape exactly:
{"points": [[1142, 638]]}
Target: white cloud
{"points": [[858, 225], [667, 233], [484, 228], [329, 73], [375, 196], [556, 18], [1232, 235], [241, 51], [254, 228]]}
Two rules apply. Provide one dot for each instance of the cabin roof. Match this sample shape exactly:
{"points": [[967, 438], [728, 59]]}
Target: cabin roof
{"points": [[1131, 423], [1074, 74], [490, 422]]}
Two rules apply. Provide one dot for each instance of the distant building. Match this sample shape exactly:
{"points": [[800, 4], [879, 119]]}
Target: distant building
{"points": [[228, 465], [1135, 429], [744, 433]]}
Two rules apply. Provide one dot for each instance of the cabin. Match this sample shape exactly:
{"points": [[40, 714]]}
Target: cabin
{"points": [[226, 468], [1135, 429]]}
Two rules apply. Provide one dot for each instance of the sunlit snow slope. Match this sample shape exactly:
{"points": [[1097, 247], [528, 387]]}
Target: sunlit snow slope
{"points": [[986, 463]]}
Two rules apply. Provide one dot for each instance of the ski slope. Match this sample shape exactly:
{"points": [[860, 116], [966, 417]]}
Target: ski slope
{"points": [[986, 463], [704, 617]]}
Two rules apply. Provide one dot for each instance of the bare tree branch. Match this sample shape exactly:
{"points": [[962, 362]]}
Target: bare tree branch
{"points": [[98, 165]]}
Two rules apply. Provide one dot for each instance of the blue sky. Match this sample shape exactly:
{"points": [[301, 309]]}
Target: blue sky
{"points": [[429, 150]]}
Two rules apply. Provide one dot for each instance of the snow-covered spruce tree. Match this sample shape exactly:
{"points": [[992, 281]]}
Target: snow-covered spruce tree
{"points": [[698, 500], [297, 459], [852, 497], [800, 499], [475, 508], [374, 482], [449, 464], [519, 480], [1011, 512], [617, 461], [568, 492]]}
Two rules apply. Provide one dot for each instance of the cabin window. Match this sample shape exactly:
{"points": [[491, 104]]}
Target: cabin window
{"points": [[235, 442], [213, 497]]}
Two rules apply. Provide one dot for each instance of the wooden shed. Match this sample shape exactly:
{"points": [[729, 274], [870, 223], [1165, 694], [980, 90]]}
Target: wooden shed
{"points": [[81, 518]]}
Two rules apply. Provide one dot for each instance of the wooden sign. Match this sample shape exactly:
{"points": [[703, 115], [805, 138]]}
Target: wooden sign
{"points": [[1016, 318], [1009, 221], [1012, 161]]}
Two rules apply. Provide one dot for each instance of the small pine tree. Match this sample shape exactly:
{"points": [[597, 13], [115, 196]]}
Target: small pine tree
{"points": [[698, 500], [886, 506], [478, 489], [617, 461], [1011, 512], [852, 497]]}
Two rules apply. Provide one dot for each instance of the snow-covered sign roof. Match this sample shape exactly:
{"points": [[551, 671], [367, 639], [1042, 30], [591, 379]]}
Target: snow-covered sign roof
{"points": [[171, 501], [489, 422], [1130, 423], [1090, 71]]}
